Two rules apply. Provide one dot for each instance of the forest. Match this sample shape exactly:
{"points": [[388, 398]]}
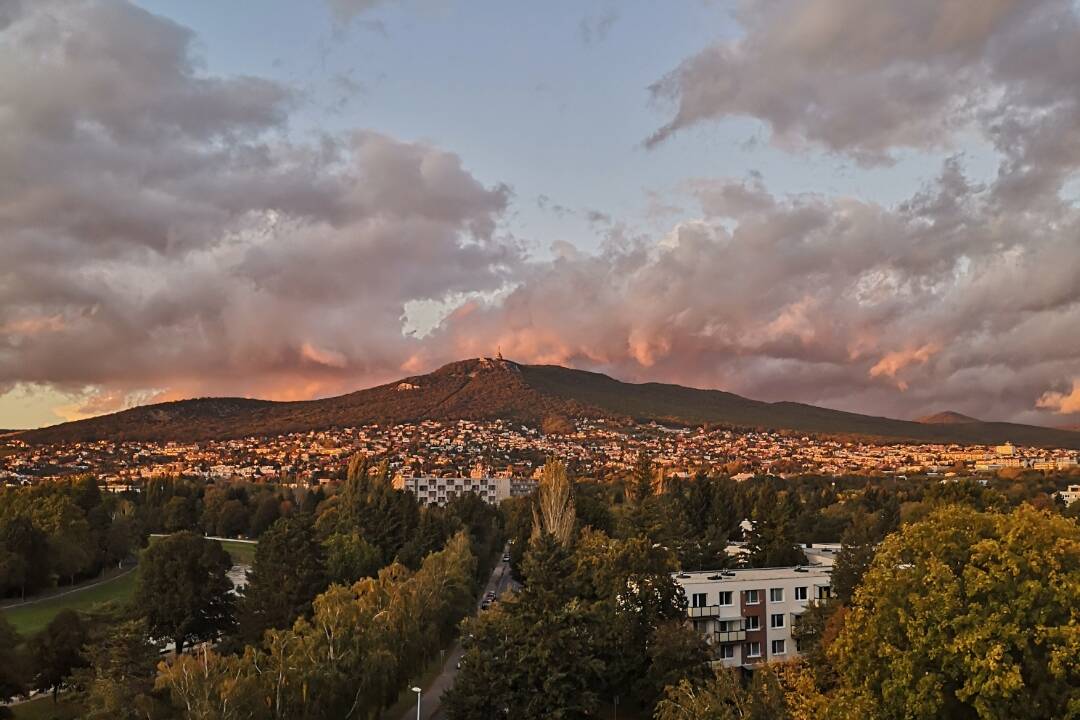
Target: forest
{"points": [[951, 599]]}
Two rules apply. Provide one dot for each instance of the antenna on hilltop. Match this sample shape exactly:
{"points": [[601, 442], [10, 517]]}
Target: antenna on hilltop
{"points": [[498, 353]]}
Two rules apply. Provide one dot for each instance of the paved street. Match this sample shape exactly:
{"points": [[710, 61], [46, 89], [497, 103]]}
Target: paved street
{"points": [[499, 582]]}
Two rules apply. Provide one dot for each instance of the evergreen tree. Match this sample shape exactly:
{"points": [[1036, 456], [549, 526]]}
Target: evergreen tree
{"points": [[183, 590], [56, 652], [287, 573]]}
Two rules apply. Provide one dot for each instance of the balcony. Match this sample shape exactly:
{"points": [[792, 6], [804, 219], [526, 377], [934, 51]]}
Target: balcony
{"points": [[713, 611], [732, 636]]}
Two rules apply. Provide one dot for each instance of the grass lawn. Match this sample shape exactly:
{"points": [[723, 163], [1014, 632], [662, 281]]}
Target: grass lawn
{"points": [[29, 619], [242, 553], [45, 709]]}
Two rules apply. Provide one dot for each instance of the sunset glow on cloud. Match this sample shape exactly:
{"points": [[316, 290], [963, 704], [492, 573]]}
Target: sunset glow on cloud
{"points": [[175, 225]]}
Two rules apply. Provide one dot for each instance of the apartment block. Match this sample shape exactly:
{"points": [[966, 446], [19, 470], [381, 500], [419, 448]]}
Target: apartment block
{"points": [[747, 615], [430, 490]]}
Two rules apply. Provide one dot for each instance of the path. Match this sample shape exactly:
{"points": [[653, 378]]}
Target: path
{"points": [[431, 703], [70, 591]]}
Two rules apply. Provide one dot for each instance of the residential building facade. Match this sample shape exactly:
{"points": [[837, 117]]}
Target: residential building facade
{"points": [[430, 490], [747, 615]]}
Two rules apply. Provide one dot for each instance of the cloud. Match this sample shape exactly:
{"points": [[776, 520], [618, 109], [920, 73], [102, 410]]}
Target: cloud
{"points": [[867, 79], [1062, 403], [162, 231], [894, 362], [821, 299], [165, 235]]}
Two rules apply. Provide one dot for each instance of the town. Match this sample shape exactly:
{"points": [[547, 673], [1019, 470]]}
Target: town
{"points": [[506, 449]]}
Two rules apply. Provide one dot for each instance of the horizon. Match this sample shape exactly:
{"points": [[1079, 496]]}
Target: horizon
{"points": [[290, 202]]}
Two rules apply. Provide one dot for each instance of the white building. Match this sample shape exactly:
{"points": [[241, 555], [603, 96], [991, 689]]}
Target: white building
{"points": [[1071, 495], [747, 614], [431, 490]]}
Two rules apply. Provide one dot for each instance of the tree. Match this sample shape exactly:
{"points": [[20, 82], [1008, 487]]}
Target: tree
{"points": [[350, 557], [354, 655], [722, 697], [266, 513], [183, 589], [554, 512], [11, 677], [968, 615], [288, 572], [57, 651], [856, 553], [772, 539], [118, 682], [233, 519]]}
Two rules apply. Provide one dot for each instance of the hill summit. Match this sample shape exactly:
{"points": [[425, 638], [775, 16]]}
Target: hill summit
{"points": [[494, 388], [947, 418]]}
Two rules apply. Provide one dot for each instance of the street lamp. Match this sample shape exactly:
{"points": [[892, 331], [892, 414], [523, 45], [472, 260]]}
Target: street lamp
{"points": [[417, 691]]}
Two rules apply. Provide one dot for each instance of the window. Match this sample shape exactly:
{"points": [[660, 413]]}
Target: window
{"points": [[697, 600], [779, 647], [800, 593], [776, 620], [752, 597], [798, 645], [726, 652], [725, 598], [776, 594], [824, 592], [753, 650], [723, 626], [753, 622]]}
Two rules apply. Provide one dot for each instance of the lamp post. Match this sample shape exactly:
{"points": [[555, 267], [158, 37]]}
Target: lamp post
{"points": [[417, 691]]}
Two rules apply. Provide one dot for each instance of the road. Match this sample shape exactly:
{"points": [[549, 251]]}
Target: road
{"points": [[431, 698]]}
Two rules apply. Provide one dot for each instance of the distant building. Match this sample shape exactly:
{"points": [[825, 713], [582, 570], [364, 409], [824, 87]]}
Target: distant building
{"points": [[1071, 495], [1006, 450], [747, 615], [431, 490]]}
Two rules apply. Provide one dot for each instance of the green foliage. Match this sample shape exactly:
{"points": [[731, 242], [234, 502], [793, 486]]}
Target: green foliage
{"points": [[289, 571], [600, 619], [118, 682], [772, 541], [349, 660], [183, 590], [12, 681], [969, 614], [56, 652]]}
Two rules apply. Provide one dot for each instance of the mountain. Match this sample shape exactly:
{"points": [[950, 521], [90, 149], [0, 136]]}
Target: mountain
{"points": [[947, 418], [484, 389]]}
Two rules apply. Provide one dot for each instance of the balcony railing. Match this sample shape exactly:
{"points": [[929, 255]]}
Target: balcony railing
{"points": [[730, 637], [713, 611]]}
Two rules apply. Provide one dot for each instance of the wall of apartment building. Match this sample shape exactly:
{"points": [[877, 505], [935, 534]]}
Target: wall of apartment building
{"points": [[763, 606]]}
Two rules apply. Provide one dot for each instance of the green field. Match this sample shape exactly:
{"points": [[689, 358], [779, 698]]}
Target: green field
{"points": [[242, 553], [29, 619], [45, 709]]}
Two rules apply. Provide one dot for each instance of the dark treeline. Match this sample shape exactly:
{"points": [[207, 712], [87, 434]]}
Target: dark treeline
{"points": [[62, 532]]}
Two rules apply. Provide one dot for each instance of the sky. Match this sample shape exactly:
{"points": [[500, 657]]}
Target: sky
{"points": [[863, 205]]}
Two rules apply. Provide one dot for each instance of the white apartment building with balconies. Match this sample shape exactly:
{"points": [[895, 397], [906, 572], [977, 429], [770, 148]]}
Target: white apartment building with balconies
{"points": [[430, 490], [747, 615]]}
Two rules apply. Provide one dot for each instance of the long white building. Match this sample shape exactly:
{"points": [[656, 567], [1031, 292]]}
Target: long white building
{"points": [[430, 490], [747, 614]]}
